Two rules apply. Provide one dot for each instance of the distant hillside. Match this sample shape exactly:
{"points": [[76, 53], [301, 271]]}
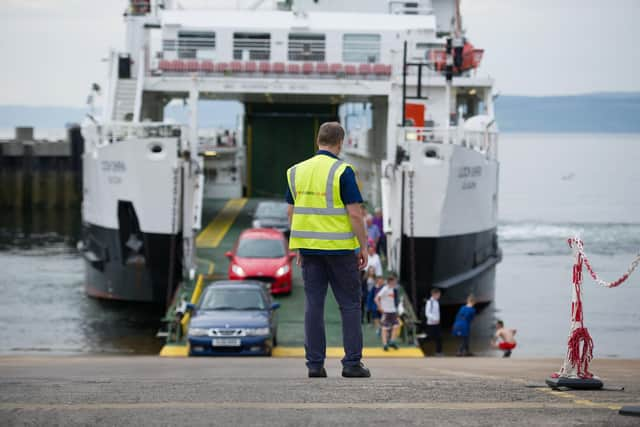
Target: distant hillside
{"points": [[39, 117], [593, 113]]}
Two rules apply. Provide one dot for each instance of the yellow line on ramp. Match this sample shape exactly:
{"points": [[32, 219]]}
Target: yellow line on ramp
{"points": [[338, 352], [211, 236]]}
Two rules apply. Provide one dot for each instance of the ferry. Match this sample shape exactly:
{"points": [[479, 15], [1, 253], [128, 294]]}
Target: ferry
{"points": [[402, 78]]}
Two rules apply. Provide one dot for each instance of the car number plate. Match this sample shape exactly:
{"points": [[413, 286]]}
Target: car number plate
{"points": [[226, 342]]}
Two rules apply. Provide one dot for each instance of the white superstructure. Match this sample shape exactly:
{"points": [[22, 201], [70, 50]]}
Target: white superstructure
{"points": [[424, 145]]}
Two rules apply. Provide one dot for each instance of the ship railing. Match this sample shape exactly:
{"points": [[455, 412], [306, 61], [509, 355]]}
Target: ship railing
{"points": [[120, 131], [485, 141], [165, 66]]}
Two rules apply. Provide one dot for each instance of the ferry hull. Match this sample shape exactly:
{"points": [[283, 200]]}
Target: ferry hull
{"points": [[112, 273], [458, 265]]}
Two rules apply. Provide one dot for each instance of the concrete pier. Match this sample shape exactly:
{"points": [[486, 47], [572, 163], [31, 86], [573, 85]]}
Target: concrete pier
{"points": [[40, 174], [237, 391]]}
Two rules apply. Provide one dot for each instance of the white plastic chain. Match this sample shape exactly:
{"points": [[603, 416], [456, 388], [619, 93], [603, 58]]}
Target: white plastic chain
{"points": [[577, 243]]}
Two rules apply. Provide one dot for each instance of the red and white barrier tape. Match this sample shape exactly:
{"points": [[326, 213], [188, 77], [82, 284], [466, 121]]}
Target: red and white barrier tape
{"points": [[579, 246]]}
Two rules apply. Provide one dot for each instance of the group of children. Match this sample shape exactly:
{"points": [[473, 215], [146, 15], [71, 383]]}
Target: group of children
{"points": [[504, 339]]}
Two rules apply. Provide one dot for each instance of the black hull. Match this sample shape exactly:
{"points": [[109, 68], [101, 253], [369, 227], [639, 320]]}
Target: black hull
{"points": [[115, 271], [458, 265]]}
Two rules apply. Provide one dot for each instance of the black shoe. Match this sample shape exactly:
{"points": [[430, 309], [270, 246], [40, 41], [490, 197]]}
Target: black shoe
{"points": [[317, 373], [507, 353], [393, 345], [355, 371]]}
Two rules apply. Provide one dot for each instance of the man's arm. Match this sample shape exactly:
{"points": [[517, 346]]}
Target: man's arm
{"points": [[290, 213], [377, 301], [357, 224]]}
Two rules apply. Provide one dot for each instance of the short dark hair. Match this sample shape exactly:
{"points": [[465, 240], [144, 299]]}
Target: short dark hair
{"points": [[330, 134], [435, 291], [501, 323]]}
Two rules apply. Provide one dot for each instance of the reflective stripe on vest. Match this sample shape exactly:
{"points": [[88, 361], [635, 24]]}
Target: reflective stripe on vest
{"points": [[321, 235]]}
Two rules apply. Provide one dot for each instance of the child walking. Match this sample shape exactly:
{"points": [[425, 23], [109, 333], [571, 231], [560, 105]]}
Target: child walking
{"points": [[462, 325], [386, 300]]}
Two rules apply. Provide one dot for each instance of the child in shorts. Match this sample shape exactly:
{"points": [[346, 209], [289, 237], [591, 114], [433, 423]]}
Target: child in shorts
{"points": [[504, 339], [386, 303]]}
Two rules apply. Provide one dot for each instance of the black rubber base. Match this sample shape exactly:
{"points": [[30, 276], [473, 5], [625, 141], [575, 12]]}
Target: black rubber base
{"points": [[575, 383], [633, 411]]}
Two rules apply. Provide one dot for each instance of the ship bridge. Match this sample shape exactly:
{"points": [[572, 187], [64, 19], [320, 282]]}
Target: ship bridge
{"points": [[291, 70]]}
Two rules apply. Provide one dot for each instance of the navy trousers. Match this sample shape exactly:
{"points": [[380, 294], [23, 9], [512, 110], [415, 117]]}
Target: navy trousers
{"points": [[341, 272]]}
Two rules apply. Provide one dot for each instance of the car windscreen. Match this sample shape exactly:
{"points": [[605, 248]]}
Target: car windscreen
{"points": [[232, 299], [272, 210], [260, 248]]}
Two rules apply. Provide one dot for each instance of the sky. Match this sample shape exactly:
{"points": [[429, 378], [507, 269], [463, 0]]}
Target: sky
{"points": [[52, 50]]}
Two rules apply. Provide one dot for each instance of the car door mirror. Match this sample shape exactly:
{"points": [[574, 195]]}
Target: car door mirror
{"points": [[292, 255], [190, 307], [228, 254], [275, 306]]}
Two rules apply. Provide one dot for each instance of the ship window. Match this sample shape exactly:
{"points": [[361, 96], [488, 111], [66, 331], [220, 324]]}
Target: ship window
{"points": [[363, 48], [423, 50], [306, 47], [252, 46], [191, 44]]}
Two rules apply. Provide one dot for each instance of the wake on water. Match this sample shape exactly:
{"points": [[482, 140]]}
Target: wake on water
{"points": [[534, 238]]}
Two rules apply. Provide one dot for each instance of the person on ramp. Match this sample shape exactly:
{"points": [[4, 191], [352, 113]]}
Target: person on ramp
{"points": [[327, 228]]}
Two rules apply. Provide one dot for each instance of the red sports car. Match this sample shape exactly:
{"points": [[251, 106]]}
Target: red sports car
{"points": [[261, 254]]}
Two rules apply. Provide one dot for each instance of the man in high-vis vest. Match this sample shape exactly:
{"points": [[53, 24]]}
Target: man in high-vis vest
{"points": [[327, 229]]}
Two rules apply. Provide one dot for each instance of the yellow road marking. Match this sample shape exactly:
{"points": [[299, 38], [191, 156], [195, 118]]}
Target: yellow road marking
{"points": [[169, 350], [338, 352], [578, 401], [453, 406], [210, 265], [213, 234]]}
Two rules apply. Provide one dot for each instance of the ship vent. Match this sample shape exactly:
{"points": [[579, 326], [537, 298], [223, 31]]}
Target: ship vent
{"points": [[361, 48], [307, 47], [191, 44], [252, 46]]}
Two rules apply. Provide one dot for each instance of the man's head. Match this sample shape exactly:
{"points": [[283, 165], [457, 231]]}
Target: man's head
{"points": [[392, 280], [330, 137], [377, 213], [471, 300], [435, 293], [379, 280], [371, 249], [369, 220], [499, 324]]}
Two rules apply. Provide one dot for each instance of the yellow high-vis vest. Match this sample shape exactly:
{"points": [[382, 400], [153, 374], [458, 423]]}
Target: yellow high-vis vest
{"points": [[320, 219]]}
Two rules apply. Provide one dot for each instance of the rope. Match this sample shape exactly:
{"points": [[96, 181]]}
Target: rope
{"points": [[580, 343], [578, 245]]}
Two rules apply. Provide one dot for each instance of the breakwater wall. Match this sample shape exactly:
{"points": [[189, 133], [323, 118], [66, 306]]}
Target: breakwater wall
{"points": [[41, 174]]}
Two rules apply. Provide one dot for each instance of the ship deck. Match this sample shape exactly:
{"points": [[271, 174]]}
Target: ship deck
{"points": [[223, 221]]}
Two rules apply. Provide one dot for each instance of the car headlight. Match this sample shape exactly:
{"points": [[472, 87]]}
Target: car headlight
{"points": [[257, 331], [237, 270], [256, 224], [283, 270], [198, 332]]}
